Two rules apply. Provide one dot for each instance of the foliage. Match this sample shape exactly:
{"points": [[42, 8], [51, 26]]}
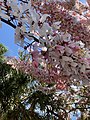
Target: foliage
{"points": [[15, 94], [3, 49], [22, 98]]}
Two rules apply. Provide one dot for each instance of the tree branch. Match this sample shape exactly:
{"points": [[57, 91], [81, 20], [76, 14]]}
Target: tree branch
{"points": [[8, 22], [23, 1]]}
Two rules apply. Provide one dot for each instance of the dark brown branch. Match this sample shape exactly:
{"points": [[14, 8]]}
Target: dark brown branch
{"points": [[14, 26], [23, 1], [8, 22]]}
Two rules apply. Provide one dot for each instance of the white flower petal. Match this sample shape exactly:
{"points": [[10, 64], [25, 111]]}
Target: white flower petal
{"points": [[62, 63], [34, 15], [65, 58], [83, 68], [23, 28], [14, 6], [74, 64], [43, 18], [68, 50], [4, 16], [66, 37]]}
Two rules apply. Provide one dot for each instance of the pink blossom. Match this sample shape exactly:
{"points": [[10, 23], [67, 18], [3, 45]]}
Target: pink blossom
{"points": [[35, 54], [35, 64]]}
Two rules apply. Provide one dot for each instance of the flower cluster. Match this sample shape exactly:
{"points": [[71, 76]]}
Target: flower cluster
{"points": [[60, 51]]}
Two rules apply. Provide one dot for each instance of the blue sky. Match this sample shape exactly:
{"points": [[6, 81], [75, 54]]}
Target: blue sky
{"points": [[7, 38]]}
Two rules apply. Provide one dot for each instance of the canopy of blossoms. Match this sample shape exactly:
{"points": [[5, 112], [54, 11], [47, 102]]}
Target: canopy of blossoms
{"points": [[56, 34]]}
